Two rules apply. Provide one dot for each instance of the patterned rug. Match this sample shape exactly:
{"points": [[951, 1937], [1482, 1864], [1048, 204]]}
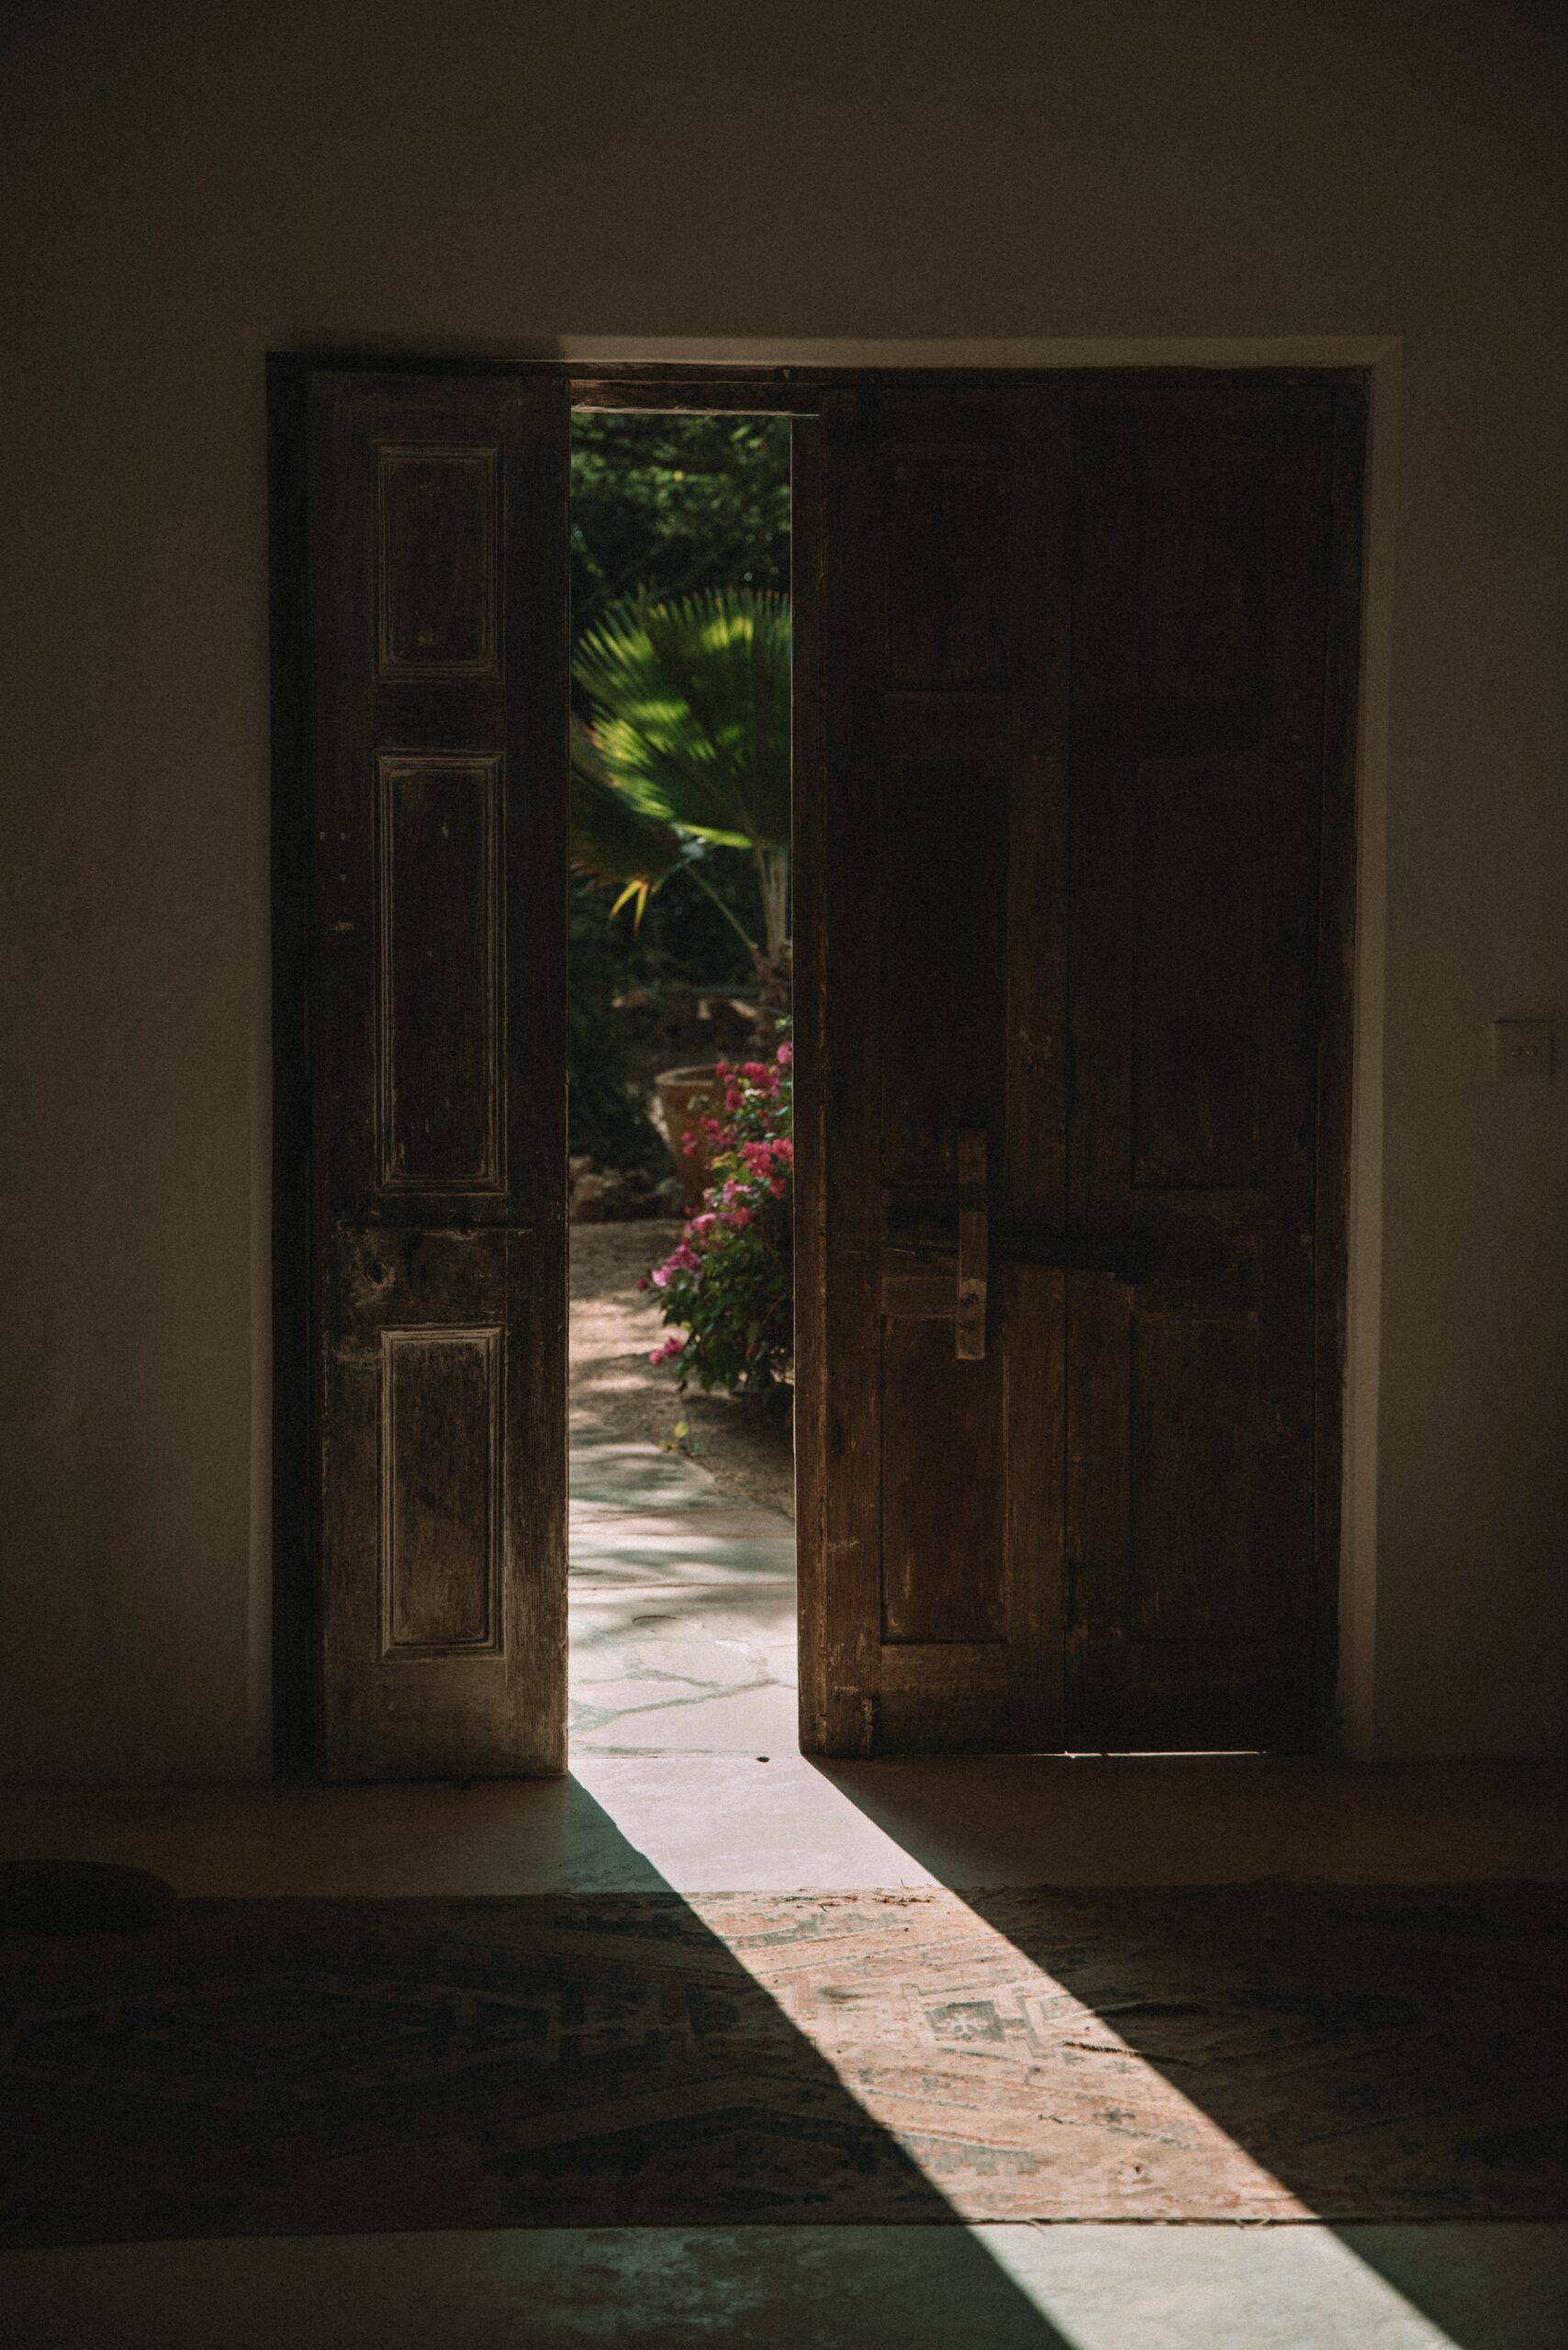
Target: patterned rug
{"points": [[1254, 2053]]}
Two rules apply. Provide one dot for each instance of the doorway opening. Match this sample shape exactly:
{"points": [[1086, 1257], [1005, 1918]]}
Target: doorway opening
{"points": [[682, 1539], [1073, 1022]]}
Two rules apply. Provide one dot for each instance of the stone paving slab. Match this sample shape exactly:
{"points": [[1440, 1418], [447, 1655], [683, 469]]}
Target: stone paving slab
{"points": [[713, 1522], [606, 1556], [682, 1607], [619, 1472]]}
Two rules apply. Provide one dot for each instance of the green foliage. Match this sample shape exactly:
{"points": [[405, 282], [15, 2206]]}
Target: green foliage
{"points": [[606, 1112], [691, 934], [671, 504], [690, 703], [728, 1284], [668, 505], [689, 706], [613, 841]]}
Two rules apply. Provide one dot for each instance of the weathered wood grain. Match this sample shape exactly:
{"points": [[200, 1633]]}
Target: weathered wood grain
{"points": [[937, 793], [438, 681], [1106, 926]]}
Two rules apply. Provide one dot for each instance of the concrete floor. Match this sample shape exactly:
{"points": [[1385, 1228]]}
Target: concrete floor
{"points": [[1090, 2287], [682, 1607]]}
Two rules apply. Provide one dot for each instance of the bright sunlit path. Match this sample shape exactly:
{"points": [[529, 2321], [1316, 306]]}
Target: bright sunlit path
{"points": [[682, 1607]]}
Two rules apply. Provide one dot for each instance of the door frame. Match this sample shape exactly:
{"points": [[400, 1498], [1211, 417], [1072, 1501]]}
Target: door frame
{"points": [[779, 388]]}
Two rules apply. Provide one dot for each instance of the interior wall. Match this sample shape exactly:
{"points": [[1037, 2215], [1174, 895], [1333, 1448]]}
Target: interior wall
{"points": [[191, 186]]}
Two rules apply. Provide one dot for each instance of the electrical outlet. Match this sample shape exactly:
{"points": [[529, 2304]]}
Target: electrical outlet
{"points": [[1521, 1048]]}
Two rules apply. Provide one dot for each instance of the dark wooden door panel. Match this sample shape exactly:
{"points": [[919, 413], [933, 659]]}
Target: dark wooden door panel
{"points": [[929, 819], [439, 1063], [1199, 668], [944, 1540], [1092, 1505], [438, 518]]}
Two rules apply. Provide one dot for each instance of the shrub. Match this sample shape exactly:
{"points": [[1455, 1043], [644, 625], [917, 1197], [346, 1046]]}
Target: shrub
{"points": [[728, 1285], [607, 1115]]}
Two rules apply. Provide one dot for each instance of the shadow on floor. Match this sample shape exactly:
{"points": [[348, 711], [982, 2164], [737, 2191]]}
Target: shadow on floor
{"points": [[309, 2067], [1385, 2052]]}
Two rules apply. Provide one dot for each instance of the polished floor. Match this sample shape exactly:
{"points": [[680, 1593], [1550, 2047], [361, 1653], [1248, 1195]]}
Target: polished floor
{"points": [[686, 1777]]}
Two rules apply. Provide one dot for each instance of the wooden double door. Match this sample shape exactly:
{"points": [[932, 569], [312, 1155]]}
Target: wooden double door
{"points": [[1075, 660]]}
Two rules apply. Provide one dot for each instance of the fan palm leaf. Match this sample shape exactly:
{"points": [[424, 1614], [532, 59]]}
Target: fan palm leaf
{"points": [[690, 705], [611, 839]]}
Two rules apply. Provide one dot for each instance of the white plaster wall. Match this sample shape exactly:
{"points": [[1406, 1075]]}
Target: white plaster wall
{"points": [[190, 184]]}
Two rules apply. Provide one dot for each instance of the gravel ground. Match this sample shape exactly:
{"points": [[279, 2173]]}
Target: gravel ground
{"points": [[613, 1328]]}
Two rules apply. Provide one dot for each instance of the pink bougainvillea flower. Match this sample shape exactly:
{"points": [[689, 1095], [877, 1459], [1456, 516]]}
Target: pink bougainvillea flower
{"points": [[729, 1289], [642, 1281]]}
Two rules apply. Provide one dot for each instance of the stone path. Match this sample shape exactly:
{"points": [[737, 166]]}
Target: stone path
{"points": [[682, 1606]]}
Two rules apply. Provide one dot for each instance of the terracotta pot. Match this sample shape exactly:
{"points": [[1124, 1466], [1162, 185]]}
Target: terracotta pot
{"points": [[684, 1097]]}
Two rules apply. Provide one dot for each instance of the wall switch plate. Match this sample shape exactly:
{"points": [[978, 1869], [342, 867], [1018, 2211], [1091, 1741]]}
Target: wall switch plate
{"points": [[1521, 1047]]}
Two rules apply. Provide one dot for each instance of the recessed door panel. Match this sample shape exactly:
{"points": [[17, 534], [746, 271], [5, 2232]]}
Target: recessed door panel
{"points": [[437, 528], [441, 1476], [442, 1031]]}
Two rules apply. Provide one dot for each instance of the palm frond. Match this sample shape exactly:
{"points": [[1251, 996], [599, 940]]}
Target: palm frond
{"points": [[611, 839], [690, 709]]}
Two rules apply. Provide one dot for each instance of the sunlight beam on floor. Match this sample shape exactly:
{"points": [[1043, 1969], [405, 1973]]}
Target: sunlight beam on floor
{"points": [[1231, 2268]]}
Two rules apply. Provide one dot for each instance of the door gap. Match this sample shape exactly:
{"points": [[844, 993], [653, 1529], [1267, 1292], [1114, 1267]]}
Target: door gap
{"points": [[681, 1580]]}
